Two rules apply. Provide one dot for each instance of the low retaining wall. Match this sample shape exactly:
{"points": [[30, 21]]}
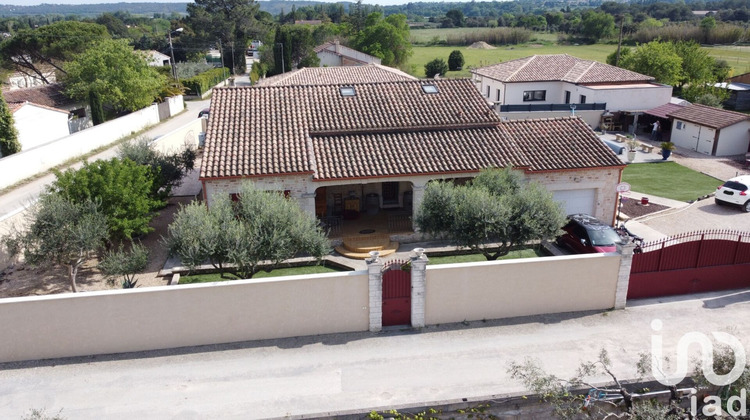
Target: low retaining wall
{"points": [[512, 288], [177, 316]]}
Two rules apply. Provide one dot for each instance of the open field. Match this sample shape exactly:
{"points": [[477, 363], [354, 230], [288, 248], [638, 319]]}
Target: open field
{"points": [[426, 36], [544, 43]]}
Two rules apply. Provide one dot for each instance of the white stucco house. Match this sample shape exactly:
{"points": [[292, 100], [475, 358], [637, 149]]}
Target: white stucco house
{"points": [[711, 131], [157, 59], [38, 124], [52, 96], [559, 84], [333, 54], [375, 146]]}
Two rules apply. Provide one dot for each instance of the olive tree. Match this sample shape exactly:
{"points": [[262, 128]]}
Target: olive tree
{"points": [[125, 263], [60, 233], [167, 169], [258, 232], [494, 213]]}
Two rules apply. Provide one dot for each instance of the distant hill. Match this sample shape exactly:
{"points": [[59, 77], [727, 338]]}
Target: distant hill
{"points": [[89, 10], [92, 9]]}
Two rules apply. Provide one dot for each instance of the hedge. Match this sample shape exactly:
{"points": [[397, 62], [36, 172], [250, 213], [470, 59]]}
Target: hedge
{"points": [[201, 83]]}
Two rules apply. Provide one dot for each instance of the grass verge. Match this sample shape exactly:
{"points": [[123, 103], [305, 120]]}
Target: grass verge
{"points": [[279, 272], [669, 180]]}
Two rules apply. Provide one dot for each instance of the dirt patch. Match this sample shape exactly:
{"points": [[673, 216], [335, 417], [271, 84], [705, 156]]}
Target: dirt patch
{"points": [[481, 45], [536, 45], [23, 280], [633, 208]]}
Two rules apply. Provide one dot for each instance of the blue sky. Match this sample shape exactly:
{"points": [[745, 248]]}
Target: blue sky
{"points": [[36, 2]]}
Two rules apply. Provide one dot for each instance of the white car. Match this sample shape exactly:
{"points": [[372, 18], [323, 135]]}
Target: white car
{"points": [[735, 192]]}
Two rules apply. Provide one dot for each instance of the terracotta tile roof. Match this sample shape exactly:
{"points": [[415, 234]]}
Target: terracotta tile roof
{"points": [[559, 144], [709, 116], [559, 67], [48, 95], [337, 75], [280, 130], [15, 106], [414, 153], [663, 111]]}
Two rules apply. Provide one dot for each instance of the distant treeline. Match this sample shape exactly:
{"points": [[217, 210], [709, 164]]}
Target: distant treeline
{"points": [[92, 10]]}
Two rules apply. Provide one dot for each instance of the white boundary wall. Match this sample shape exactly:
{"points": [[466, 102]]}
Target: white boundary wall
{"points": [[186, 315], [30, 162], [521, 287], [178, 139]]}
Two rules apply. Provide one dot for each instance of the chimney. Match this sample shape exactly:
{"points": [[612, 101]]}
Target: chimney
{"points": [[337, 46]]}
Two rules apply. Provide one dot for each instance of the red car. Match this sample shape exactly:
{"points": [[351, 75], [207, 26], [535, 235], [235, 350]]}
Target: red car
{"points": [[586, 234]]}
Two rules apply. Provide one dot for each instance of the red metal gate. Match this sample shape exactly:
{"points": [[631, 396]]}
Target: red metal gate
{"points": [[693, 262], [396, 294]]}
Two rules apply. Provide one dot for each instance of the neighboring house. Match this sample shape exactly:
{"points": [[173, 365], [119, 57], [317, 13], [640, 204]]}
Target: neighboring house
{"points": [[337, 75], [710, 130], [379, 144], [739, 95], [157, 59], [18, 80], [554, 85], [52, 96], [333, 54], [38, 124]]}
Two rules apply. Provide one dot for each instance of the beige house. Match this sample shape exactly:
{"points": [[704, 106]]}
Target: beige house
{"points": [[332, 54], [364, 148]]}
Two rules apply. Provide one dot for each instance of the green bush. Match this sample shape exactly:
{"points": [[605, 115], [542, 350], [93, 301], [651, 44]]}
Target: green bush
{"points": [[435, 67], [201, 83]]}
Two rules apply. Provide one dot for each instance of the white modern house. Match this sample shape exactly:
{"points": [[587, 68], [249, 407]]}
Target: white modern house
{"points": [[556, 85]]}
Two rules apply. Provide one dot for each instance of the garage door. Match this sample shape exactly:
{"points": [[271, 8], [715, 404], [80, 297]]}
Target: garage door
{"points": [[576, 201]]}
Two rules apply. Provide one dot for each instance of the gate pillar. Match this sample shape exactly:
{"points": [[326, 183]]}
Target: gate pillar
{"points": [[623, 277], [418, 275], [375, 286]]}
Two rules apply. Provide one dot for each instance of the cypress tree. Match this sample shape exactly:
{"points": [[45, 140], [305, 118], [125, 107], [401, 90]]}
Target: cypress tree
{"points": [[9, 143], [97, 113]]}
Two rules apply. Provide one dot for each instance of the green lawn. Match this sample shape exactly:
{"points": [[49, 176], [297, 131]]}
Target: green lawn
{"points": [[669, 180], [452, 259], [279, 272]]}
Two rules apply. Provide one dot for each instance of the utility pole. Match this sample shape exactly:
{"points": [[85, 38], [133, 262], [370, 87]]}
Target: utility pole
{"points": [[171, 52], [232, 44], [221, 54], [619, 42]]}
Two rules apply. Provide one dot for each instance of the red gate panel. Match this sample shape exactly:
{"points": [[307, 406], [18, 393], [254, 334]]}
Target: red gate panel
{"points": [[692, 262], [396, 295]]}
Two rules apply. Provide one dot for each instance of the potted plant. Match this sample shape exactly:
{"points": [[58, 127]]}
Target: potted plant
{"points": [[632, 147], [666, 149]]}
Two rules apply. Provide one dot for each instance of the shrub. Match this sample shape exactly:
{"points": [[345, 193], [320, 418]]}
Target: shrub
{"points": [[201, 83], [435, 67], [455, 60]]}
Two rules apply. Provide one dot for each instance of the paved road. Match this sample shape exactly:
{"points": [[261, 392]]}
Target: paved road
{"points": [[16, 200], [355, 371]]}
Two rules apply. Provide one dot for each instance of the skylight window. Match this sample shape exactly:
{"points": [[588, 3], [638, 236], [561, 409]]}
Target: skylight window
{"points": [[430, 89], [347, 91]]}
